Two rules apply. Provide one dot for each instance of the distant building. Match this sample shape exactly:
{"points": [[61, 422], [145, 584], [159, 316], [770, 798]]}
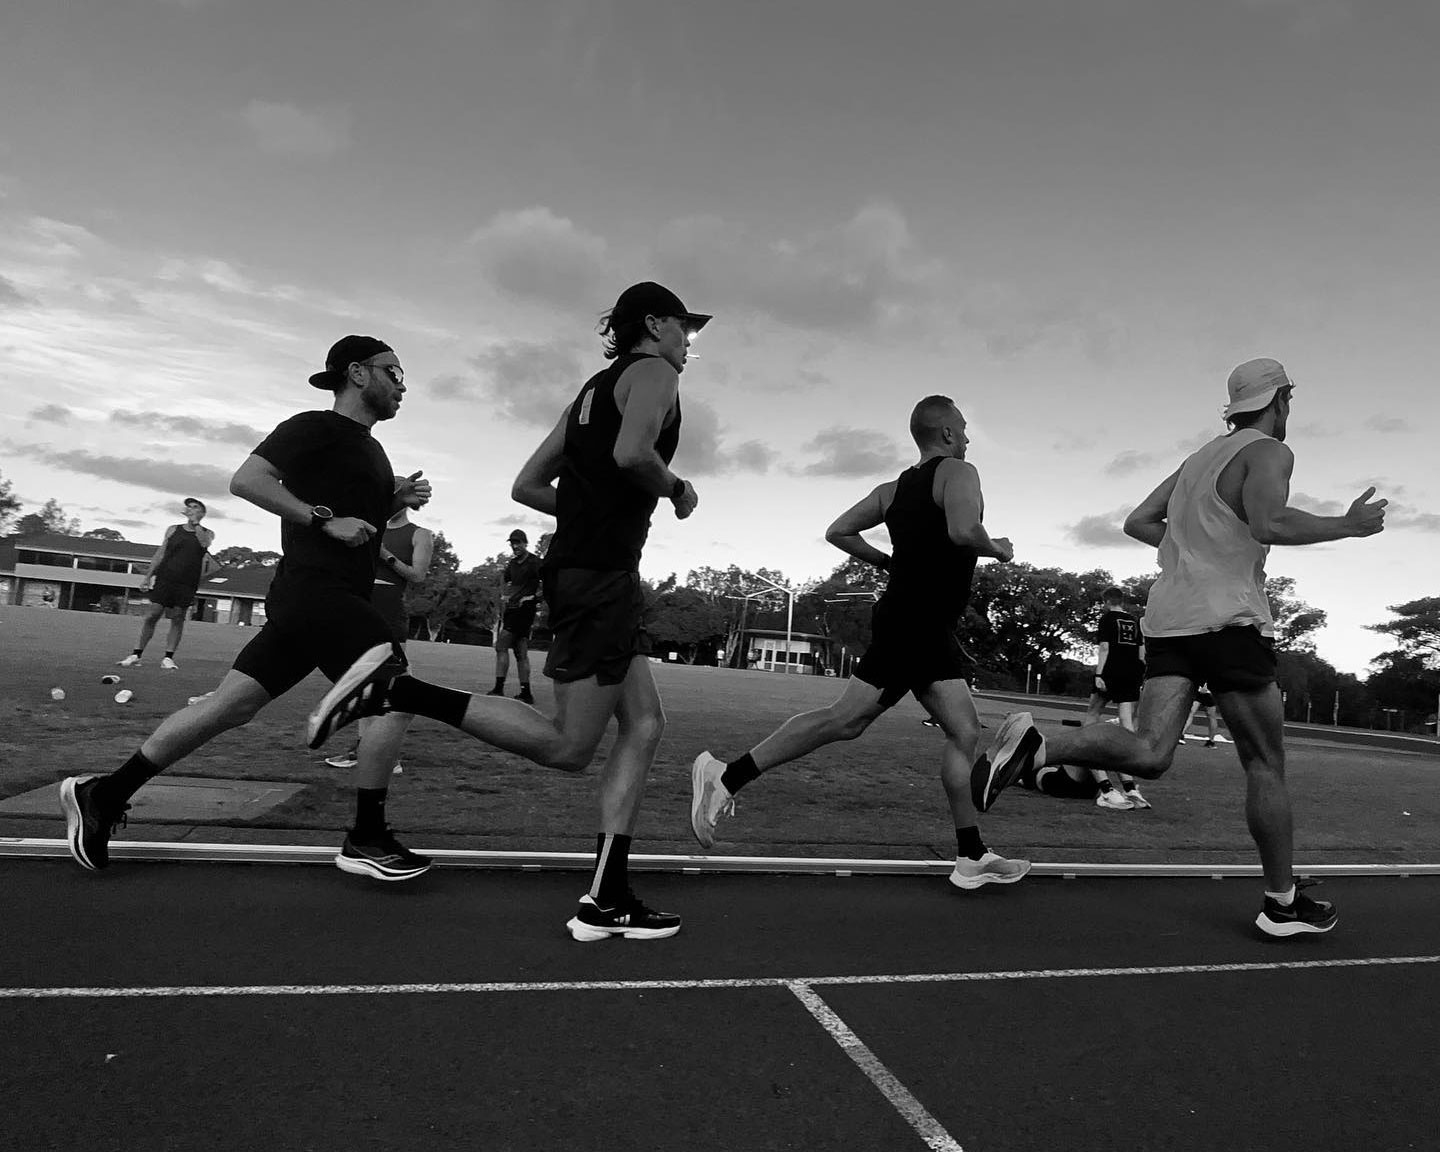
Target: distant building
{"points": [[764, 648], [82, 574]]}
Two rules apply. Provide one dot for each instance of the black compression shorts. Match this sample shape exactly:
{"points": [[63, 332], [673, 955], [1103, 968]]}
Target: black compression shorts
{"points": [[308, 627], [1230, 660]]}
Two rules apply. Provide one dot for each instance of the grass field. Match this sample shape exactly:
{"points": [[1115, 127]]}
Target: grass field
{"points": [[878, 796]]}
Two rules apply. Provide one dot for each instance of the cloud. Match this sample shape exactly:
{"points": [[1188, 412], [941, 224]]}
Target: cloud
{"points": [[11, 296], [1403, 516], [52, 414], [701, 453], [1316, 506], [522, 380], [534, 254], [1129, 462], [858, 273], [753, 456], [851, 453], [220, 431], [1388, 424], [1105, 530], [203, 480], [284, 129]]}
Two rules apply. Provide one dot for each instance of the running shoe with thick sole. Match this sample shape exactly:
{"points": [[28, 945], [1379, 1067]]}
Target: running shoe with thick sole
{"points": [[88, 825], [131, 661], [1016, 747], [1136, 799], [1111, 798], [629, 918], [708, 798], [525, 696], [1301, 916], [991, 868], [383, 858], [359, 692], [344, 759], [169, 665]]}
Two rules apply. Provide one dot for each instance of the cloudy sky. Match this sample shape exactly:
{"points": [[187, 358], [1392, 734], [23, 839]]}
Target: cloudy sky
{"points": [[1072, 216]]}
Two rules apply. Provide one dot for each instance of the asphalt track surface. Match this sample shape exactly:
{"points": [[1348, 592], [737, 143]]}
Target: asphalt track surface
{"points": [[273, 1007]]}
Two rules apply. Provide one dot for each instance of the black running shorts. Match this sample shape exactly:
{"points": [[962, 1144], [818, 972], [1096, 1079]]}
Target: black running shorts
{"points": [[171, 596], [389, 601], [1120, 688], [908, 654], [1230, 660], [519, 620], [595, 621], [309, 626]]}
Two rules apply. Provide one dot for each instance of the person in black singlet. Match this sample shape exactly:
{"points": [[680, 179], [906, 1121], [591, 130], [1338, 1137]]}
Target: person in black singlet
{"points": [[520, 599], [405, 553], [171, 578], [934, 512]]}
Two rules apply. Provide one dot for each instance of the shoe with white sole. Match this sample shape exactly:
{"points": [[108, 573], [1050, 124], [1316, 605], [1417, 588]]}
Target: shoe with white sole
{"points": [[1113, 798], [359, 692], [1017, 745], [991, 868], [709, 799]]}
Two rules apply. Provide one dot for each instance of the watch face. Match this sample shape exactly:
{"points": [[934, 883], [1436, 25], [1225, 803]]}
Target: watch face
{"points": [[322, 512]]}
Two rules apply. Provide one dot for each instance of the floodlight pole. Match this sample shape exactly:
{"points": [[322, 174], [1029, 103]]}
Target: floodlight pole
{"points": [[789, 613]]}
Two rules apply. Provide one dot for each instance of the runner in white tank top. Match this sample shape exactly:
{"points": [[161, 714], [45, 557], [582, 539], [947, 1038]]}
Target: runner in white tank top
{"points": [[1213, 520]]}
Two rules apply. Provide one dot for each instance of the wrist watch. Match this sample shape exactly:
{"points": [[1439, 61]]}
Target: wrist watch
{"points": [[320, 516]]}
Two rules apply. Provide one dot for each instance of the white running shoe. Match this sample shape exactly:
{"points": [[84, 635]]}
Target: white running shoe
{"points": [[708, 798], [1016, 746], [359, 692], [343, 759], [1136, 799], [991, 868], [1111, 798], [169, 665], [130, 661]]}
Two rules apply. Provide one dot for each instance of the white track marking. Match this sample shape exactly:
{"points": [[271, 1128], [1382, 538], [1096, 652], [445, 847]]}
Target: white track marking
{"points": [[178, 990], [926, 1126]]}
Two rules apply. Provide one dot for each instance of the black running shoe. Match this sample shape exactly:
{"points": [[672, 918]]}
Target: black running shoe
{"points": [[382, 857], [525, 697], [1302, 915], [496, 691], [629, 918], [359, 692], [1016, 747], [88, 825]]}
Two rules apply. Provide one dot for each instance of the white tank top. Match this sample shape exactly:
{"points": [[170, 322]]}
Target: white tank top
{"points": [[1212, 571]]}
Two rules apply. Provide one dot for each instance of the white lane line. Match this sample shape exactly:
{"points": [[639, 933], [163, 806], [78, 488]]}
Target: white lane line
{"points": [[926, 1126], [177, 990]]}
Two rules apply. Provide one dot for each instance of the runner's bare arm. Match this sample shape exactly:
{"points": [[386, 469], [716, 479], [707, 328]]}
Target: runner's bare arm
{"points": [[868, 513], [535, 485], [1265, 497], [155, 559], [964, 506], [419, 565], [1147, 522], [647, 390]]}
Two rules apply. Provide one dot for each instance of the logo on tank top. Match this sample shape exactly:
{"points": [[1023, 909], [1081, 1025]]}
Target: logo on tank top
{"points": [[585, 405]]}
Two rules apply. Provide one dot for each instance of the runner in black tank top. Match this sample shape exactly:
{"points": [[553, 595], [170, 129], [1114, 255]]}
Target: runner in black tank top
{"points": [[171, 580], [933, 511], [601, 472]]}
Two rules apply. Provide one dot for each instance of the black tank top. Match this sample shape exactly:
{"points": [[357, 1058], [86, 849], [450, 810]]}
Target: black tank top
{"points": [[601, 516], [400, 543], [184, 557], [929, 576]]}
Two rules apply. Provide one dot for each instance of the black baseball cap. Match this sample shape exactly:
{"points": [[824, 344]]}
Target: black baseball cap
{"points": [[344, 352], [520, 536], [650, 299]]}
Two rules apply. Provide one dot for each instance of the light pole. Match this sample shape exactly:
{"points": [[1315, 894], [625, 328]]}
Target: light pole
{"points": [[789, 591]]}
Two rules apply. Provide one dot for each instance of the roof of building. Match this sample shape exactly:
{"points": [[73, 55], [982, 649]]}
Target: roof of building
{"points": [[83, 546], [781, 633], [252, 580]]}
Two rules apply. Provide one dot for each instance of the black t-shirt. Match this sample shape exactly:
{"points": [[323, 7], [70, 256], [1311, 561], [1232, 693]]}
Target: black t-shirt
{"points": [[325, 458], [522, 576], [1122, 632]]}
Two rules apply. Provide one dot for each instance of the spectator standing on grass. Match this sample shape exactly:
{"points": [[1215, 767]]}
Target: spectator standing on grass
{"points": [[519, 601], [171, 580], [934, 512], [1203, 699], [1119, 669], [1208, 620], [405, 553]]}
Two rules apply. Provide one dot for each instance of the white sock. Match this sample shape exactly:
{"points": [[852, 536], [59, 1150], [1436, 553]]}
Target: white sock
{"points": [[1284, 899]]}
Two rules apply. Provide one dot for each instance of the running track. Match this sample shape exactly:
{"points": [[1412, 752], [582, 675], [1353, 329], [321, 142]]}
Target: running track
{"points": [[176, 1006]]}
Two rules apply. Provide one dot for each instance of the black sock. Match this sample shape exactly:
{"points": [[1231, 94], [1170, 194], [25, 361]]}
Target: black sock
{"points": [[524, 686], [499, 683], [446, 705], [968, 843], [1128, 785], [115, 790], [138, 652], [738, 773], [611, 881], [1106, 786], [369, 811], [170, 654]]}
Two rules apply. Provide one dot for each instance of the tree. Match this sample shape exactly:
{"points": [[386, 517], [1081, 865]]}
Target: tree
{"points": [[103, 534], [9, 504], [1417, 630], [1022, 618], [50, 519], [237, 556], [688, 622], [1295, 621]]}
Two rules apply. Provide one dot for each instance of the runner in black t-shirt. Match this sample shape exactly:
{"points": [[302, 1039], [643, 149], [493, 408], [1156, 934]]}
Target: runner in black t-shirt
{"points": [[519, 601], [934, 512], [1119, 670]]}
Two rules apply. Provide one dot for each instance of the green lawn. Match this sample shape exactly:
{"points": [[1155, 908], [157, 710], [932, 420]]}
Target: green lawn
{"points": [[878, 796]]}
